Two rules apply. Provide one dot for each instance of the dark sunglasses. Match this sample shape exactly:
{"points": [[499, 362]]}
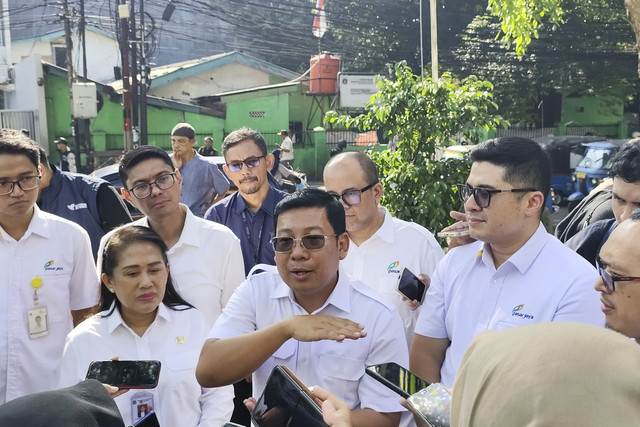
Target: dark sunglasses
{"points": [[311, 242], [352, 197], [482, 196], [251, 162], [611, 279]]}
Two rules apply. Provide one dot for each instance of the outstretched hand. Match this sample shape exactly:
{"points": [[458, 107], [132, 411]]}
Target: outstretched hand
{"points": [[316, 327]]}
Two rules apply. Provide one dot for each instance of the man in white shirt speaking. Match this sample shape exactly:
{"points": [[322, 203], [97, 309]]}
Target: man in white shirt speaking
{"points": [[380, 245]]}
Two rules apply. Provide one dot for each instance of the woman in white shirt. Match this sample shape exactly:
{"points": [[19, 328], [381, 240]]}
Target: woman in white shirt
{"points": [[144, 318]]}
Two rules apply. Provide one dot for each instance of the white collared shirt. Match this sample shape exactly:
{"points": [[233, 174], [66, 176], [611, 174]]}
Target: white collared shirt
{"points": [[264, 299], [206, 263], [175, 338], [379, 260], [543, 281], [57, 251]]}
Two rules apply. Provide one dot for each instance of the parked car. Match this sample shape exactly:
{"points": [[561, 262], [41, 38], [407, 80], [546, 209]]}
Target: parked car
{"points": [[110, 174], [593, 168]]}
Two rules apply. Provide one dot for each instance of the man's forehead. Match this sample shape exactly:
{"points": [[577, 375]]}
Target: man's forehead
{"points": [[346, 173], [486, 173], [148, 168], [622, 248], [630, 191], [302, 218], [243, 149]]}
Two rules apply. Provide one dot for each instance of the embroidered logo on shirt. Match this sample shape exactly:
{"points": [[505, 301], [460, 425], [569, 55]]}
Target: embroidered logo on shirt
{"points": [[517, 312], [77, 206], [392, 267], [48, 264]]}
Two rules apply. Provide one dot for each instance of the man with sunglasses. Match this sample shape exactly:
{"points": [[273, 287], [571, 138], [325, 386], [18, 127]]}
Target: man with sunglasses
{"points": [[513, 274], [202, 180], [47, 271], [205, 258], [380, 245], [310, 316], [249, 212], [619, 282]]}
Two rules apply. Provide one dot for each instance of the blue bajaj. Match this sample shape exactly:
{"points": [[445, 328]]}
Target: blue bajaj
{"points": [[593, 168]]}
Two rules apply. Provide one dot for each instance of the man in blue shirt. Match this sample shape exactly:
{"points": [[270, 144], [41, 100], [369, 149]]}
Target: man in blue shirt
{"points": [[202, 180], [249, 212]]}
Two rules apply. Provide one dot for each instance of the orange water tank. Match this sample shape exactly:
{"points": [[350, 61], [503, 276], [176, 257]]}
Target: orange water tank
{"points": [[324, 73]]}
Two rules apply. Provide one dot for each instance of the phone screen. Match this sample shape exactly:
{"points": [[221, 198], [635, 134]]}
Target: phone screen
{"points": [[397, 378], [126, 373], [410, 286]]}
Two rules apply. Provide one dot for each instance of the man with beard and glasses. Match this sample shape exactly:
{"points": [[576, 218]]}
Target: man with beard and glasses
{"points": [[249, 212]]}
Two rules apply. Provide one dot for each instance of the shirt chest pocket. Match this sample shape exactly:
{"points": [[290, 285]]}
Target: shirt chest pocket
{"points": [[54, 293], [341, 374]]}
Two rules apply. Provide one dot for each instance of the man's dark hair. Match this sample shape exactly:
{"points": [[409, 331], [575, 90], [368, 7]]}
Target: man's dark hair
{"points": [[626, 162], [366, 164], [137, 155], [313, 198], [241, 134], [44, 159], [15, 142], [118, 242], [525, 163]]}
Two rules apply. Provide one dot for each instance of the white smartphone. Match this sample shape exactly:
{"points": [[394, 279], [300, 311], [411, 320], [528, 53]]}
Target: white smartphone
{"points": [[454, 233], [410, 286]]}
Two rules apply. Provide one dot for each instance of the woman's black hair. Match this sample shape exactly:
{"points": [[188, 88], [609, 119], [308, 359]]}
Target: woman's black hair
{"points": [[121, 239]]}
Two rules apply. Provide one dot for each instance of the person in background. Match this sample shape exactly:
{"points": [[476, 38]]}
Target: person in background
{"points": [[513, 273], [143, 317], [207, 150], [67, 158], [47, 271], [202, 180], [380, 245], [287, 149], [309, 315], [88, 201], [625, 197], [205, 257]]}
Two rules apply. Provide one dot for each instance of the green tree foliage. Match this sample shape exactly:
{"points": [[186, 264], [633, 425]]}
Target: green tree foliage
{"points": [[426, 115]]}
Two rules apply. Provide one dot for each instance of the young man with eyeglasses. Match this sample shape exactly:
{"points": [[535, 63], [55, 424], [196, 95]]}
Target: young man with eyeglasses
{"points": [[619, 282], [310, 316], [249, 211], [202, 180], [205, 258], [380, 245], [47, 272], [513, 274]]}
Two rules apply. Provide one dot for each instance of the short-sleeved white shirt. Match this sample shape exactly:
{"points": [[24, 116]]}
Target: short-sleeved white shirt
{"points": [[288, 144], [543, 281], [264, 299], [57, 251], [378, 261], [175, 338], [206, 263]]}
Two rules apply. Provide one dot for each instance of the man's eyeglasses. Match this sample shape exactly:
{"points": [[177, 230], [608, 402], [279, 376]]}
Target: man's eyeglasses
{"points": [[352, 197], [25, 184], [611, 279], [311, 242], [163, 182], [251, 162], [482, 196]]}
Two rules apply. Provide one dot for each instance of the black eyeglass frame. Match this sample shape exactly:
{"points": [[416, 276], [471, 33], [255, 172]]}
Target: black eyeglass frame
{"points": [[132, 190], [241, 162], [609, 279], [275, 239], [473, 191], [357, 193], [18, 183]]}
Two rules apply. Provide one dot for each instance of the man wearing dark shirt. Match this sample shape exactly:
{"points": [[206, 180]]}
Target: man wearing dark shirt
{"points": [[90, 202], [207, 149], [249, 212]]}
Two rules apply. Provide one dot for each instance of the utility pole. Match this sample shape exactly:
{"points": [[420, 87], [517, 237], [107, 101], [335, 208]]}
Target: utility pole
{"points": [[123, 11], [70, 79], [134, 67], [143, 79], [434, 40]]}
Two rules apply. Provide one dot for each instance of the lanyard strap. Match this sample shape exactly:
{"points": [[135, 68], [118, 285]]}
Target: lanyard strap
{"points": [[247, 230]]}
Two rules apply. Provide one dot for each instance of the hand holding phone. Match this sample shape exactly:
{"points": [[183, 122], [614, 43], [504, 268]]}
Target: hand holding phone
{"points": [[432, 405], [410, 286], [126, 374], [401, 380]]}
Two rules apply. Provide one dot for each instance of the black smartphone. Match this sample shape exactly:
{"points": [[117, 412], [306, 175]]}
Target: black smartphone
{"points": [[149, 420], [410, 286], [126, 373], [401, 380], [286, 401]]}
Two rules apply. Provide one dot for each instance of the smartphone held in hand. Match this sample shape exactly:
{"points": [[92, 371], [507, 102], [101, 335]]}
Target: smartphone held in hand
{"points": [[126, 373], [410, 286], [401, 380], [454, 233]]}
